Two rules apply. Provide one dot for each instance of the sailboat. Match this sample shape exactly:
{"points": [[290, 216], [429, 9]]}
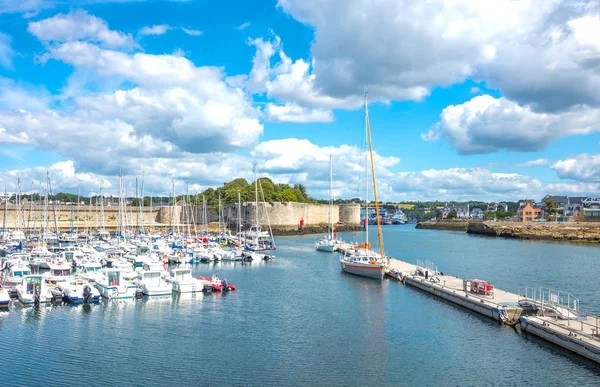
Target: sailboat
{"points": [[329, 243], [256, 239], [361, 260]]}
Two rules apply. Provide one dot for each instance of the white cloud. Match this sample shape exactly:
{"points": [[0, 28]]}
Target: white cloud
{"points": [[243, 26], [475, 90], [486, 124], [294, 113], [79, 25], [160, 29], [541, 54], [534, 163], [585, 167], [191, 32], [6, 51], [289, 81]]}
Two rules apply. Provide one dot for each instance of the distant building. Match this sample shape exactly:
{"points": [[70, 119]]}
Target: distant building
{"points": [[591, 207], [476, 213], [493, 207], [574, 206], [530, 211], [462, 212]]}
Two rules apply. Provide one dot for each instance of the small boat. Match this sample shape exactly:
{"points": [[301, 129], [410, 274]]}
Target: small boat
{"points": [[16, 271], [59, 272], [114, 284], [215, 284], [329, 243], [184, 282], [91, 271], [78, 290], [34, 290], [152, 283], [4, 298]]}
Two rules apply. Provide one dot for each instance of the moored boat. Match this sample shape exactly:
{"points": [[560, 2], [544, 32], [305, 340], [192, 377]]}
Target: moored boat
{"points": [[114, 284], [152, 283], [184, 282], [78, 291]]}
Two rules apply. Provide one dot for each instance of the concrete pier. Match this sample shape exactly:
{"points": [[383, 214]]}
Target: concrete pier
{"points": [[553, 322]]}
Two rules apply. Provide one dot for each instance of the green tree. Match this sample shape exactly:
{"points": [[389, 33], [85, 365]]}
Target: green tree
{"points": [[289, 195], [550, 206], [451, 215], [489, 215]]}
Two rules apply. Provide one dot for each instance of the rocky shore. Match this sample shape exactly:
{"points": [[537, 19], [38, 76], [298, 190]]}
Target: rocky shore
{"points": [[547, 231], [550, 231], [448, 225]]}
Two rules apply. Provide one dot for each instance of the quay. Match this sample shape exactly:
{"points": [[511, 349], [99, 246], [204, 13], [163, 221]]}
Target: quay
{"points": [[546, 313]]}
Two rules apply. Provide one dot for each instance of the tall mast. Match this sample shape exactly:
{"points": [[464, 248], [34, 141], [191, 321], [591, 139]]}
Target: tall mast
{"points": [[78, 202], [54, 206], [239, 213], [256, 194], [101, 209], [18, 198], [366, 178], [370, 144], [330, 197], [142, 203], [4, 233]]}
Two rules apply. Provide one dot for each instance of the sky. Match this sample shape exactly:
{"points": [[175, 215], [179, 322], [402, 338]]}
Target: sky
{"points": [[468, 99]]}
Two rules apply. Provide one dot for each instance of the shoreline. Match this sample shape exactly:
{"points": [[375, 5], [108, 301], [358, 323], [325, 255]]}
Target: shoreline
{"points": [[573, 233]]}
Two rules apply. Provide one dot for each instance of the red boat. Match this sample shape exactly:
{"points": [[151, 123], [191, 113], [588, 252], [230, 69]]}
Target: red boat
{"points": [[216, 284]]}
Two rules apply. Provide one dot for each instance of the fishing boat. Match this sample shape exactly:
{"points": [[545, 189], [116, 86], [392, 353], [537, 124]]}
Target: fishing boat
{"points": [[184, 282], [34, 290], [16, 271], [91, 271], [361, 260], [329, 244], [4, 298], [115, 284], [152, 283], [59, 272], [79, 290]]}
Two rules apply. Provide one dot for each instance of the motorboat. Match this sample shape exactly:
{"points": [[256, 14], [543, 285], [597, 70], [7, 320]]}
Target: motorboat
{"points": [[16, 271], [34, 290], [91, 271], [115, 284], [59, 272], [184, 282], [78, 291], [4, 298], [364, 263], [152, 283]]}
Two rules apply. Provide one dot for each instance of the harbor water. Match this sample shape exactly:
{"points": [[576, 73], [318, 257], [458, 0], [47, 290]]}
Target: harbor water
{"points": [[301, 321]]}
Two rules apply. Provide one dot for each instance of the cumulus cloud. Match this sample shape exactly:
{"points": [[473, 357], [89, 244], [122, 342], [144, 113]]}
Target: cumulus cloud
{"points": [[6, 51], [486, 124], [534, 163], [191, 32], [79, 25], [294, 113], [579, 167], [160, 29]]}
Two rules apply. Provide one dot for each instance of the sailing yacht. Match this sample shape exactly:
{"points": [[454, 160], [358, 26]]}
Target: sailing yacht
{"points": [[362, 260], [329, 243], [255, 238]]}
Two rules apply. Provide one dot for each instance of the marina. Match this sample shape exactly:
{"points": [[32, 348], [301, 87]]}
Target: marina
{"points": [[268, 314]]}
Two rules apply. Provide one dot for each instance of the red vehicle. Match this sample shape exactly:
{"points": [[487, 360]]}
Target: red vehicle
{"points": [[482, 287]]}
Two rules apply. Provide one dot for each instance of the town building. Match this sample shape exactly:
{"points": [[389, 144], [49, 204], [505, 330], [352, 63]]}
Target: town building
{"points": [[493, 207], [591, 208], [476, 213], [462, 212], [530, 211]]}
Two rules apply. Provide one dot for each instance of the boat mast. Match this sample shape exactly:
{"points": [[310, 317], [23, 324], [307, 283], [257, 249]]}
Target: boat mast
{"points": [[367, 246], [239, 213], [54, 206], [142, 203], [256, 194], [101, 209], [370, 144], [4, 233], [330, 198]]}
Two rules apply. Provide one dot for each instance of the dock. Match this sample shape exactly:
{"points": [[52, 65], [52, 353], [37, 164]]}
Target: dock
{"points": [[546, 313]]}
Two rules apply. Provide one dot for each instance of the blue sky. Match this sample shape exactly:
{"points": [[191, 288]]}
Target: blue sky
{"points": [[468, 100]]}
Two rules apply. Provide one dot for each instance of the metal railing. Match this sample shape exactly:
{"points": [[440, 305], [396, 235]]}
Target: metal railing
{"points": [[563, 305], [427, 265]]}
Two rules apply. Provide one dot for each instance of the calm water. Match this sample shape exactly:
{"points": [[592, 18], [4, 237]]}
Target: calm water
{"points": [[300, 321]]}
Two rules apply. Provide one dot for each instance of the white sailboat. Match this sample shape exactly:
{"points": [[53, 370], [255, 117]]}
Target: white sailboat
{"points": [[362, 260], [329, 243]]}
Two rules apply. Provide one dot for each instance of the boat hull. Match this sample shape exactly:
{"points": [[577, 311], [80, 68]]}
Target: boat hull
{"points": [[114, 292], [326, 248], [160, 291], [369, 271], [187, 287]]}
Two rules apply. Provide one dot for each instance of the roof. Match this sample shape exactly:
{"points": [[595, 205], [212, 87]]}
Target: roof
{"points": [[576, 199], [557, 199]]}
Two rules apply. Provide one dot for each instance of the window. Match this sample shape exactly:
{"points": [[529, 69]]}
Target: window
{"points": [[528, 218], [528, 213]]}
